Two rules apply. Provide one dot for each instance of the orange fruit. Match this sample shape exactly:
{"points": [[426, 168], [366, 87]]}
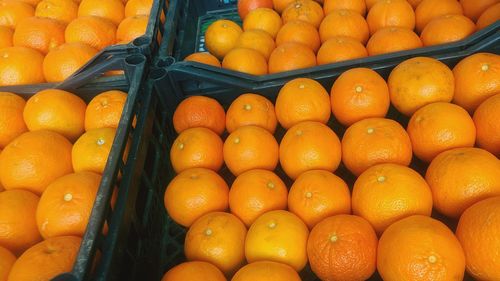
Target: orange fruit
{"points": [[359, 93], [194, 193], [299, 32], [428, 10], [291, 56], [386, 193], [473, 8], [105, 110], [461, 177], [205, 58], [278, 236], [257, 40], [46, 259], [95, 31], [251, 109], [414, 3], [440, 126], [318, 194], [197, 148], [304, 10], [13, 66], [218, 238], [489, 16], [477, 77], [245, 60], [18, 230], [386, 13], [41, 34], [478, 231], [344, 23], [6, 34], [370, 3], [138, 7], [266, 271], [280, 5], [447, 29], [64, 60], [221, 37], [131, 28], [12, 12], [11, 117], [245, 6], [263, 19], [340, 48], [56, 110], [112, 10], [199, 111], [358, 6], [7, 260], [35, 159], [61, 10], [194, 271], [342, 247], [420, 81], [392, 39], [302, 99], [308, 146], [374, 141], [486, 119], [255, 192]]}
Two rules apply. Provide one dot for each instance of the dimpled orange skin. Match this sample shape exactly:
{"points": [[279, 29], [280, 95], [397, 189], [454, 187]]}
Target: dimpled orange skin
{"points": [[359, 6], [266, 271], [340, 48], [62, 10], [344, 23], [112, 10], [390, 13], [105, 110], [392, 39], [95, 31], [263, 19], [7, 260], [11, 120], [299, 32], [205, 58], [486, 119], [221, 37], [245, 60], [12, 12], [251, 109], [446, 29], [489, 16], [428, 10], [258, 40], [20, 66], [291, 56], [199, 111], [304, 10], [194, 271], [131, 28], [41, 34], [64, 60]]}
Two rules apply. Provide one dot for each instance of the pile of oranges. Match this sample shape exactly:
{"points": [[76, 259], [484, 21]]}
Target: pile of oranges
{"points": [[53, 150], [285, 35], [286, 207], [48, 40]]}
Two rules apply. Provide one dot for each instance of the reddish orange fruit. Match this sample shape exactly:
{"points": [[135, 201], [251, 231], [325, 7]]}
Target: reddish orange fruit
{"points": [[447, 29], [11, 117], [304, 10], [266, 271], [344, 23], [245, 6], [205, 58], [386, 13], [340, 48], [199, 111], [221, 37], [392, 39], [194, 271], [487, 127], [251, 109], [245, 60]]}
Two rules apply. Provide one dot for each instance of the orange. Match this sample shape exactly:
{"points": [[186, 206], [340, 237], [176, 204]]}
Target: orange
{"points": [[194, 271], [342, 247], [221, 36], [370, 3], [489, 16], [62, 10], [420, 81], [6, 34], [35, 159], [105, 110], [205, 58], [477, 77], [318, 194], [359, 93], [245, 6], [291, 56], [440, 126], [41, 34], [257, 40], [304, 10], [344, 23], [474, 8], [64, 60], [358, 6], [263, 19], [199, 111], [138, 7], [20, 66], [340, 48], [278, 236], [95, 31], [302, 99], [218, 238], [245, 60], [461, 177], [56, 110], [46, 259], [7, 260], [309, 146], [414, 3], [194, 193], [428, 10], [11, 117], [13, 11], [299, 32], [478, 231], [131, 28], [31, 2], [392, 39], [386, 13], [197, 148], [386, 193], [486, 119], [18, 230], [374, 141], [251, 109], [447, 29], [266, 271], [112, 10], [280, 5]]}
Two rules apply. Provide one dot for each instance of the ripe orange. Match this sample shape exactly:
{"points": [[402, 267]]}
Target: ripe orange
{"points": [[64, 60], [138, 7], [245, 6], [218, 238], [440, 126], [263, 19], [447, 29], [251, 109], [359, 93], [255, 192], [291, 56], [304, 10], [280, 5], [105, 110], [392, 39], [428, 10], [11, 117], [489, 16], [199, 111], [414, 3], [6, 34], [386, 13], [197, 148], [131, 28], [420, 247], [41, 34], [486, 119], [370, 3], [340, 48], [35, 159], [344, 23], [20, 65], [374, 141], [461, 177], [62, 10], [7, 260], [221, 37], [194, 271], [299, 32], [477, 78], [205, 58], [112, 10], [309, 146], [12, 12], [31, 2], [302, 99], [266, 271], [358, 6], [257, 40], [278, 236], [245, 60], [478, 231], [18, 230], [420, 81], [94, 31], [473, 8]]}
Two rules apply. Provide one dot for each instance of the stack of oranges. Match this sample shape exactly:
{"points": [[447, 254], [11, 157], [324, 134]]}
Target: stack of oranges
{"points": [[285, 35], [259, 227], [53, 150]]}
